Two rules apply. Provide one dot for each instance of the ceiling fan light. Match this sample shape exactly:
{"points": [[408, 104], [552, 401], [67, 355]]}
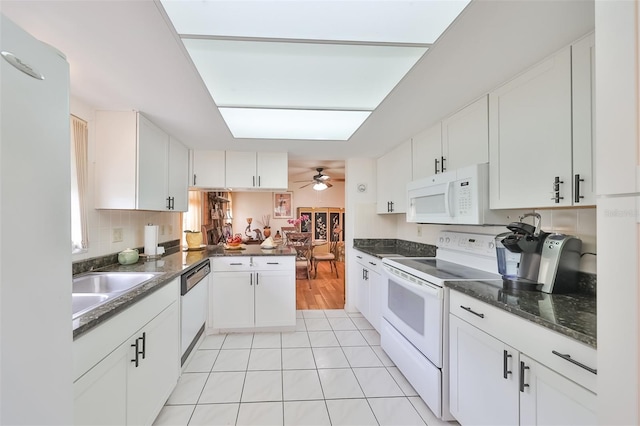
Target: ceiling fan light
{"points": [[320, 186]]}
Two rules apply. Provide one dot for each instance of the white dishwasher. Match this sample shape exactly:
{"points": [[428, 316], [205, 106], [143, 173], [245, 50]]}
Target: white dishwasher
{"points": [[194, 298]]}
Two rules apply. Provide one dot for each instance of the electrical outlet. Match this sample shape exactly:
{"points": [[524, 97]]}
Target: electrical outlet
{"points": [[170, 229], [117, 235], [419, 231]]}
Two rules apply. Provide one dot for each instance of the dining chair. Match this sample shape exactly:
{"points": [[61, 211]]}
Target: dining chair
{"points": [[327, 257], [301, 243]]}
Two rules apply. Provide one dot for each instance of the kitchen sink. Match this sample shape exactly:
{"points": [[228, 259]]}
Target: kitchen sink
{"points": [[109, 282], [83, 302], [95, 288]]}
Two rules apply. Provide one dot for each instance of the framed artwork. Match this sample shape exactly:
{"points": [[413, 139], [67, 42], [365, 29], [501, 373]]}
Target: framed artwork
{"points": [[283, 205], [320, 231]]}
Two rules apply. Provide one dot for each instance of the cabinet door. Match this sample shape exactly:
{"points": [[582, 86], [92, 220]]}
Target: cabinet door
{"points": [[547, 398], [427, 152], [275, 298], [240, 169], [465, 136], [150, 383], [362, 285], [272, 170], [583, 81], [530, 136], [233, 299], [99, 396], [375, 298], [208, 169], [479, 393], [178, 186], [153, 149], [394, 172]]}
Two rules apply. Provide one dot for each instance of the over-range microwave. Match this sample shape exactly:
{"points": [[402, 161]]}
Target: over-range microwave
{"points": [[456, 197]]}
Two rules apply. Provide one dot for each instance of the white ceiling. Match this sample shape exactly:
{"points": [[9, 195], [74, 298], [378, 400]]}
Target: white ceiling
{"points": [[125, 55]]}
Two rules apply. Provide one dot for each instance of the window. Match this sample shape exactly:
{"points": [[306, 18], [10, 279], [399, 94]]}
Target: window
{"points": [[79, 183]]}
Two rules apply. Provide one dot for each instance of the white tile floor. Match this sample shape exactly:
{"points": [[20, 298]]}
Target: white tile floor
{"points": [[330, 371]]}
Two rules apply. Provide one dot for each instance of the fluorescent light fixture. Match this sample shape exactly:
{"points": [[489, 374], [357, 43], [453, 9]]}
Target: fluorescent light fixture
{"points": [[305, 69], [416, 21], [300, 75], [320, 186], [292, 124]]}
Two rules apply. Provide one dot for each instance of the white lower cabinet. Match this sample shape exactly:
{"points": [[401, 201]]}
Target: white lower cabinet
{"points": [[253, 292], [369, 284], [492, 382], [479, 392], [126, 368]]}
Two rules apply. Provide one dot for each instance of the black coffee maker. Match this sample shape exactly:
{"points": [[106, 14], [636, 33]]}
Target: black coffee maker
{"points": [[520, 271]]}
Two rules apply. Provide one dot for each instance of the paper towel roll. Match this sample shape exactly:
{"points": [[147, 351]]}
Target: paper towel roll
{"points": [[150, 240]]}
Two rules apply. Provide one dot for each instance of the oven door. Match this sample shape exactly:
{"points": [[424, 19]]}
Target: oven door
{"points": [[415, 308]]}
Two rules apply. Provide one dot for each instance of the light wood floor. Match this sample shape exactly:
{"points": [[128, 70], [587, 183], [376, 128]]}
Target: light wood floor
{"points": [[326, 292]]}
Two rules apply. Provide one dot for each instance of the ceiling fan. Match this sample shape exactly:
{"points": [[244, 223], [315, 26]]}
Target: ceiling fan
{"points": [[319, 181]]}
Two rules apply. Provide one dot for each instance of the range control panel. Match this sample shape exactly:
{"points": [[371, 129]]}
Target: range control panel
{"points": [[480, 244]]}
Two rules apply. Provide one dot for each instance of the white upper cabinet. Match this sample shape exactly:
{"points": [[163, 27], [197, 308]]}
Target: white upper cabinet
{"points": [[460, 140], [541, 133], [256, 170], [583, 81], [394, 172], [178, 175], [427, 152], [208, 169], [465, 136], [138, 166], [530, 137]]}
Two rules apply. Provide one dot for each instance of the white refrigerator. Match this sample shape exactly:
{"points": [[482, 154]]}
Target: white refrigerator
{"points": [[35, 235]]}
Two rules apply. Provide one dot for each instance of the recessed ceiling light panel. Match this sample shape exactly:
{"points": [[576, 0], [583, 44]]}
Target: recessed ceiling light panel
{"points": [[416, 21], [292, 124], [300, 75]]}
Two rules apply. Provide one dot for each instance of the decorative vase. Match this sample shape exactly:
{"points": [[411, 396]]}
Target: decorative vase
{"points": [[266, 232], [194, 239]]}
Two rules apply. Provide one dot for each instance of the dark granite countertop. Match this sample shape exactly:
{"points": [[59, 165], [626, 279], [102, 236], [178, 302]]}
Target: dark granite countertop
{"points": [[381, 248], [573, 315], [169, 266]]}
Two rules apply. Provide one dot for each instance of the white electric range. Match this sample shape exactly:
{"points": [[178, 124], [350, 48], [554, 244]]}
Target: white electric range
{"points": [[414, 329]]}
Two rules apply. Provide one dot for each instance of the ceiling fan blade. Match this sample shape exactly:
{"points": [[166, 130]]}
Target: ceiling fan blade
{"points": [[304, 186], [328, 184]]}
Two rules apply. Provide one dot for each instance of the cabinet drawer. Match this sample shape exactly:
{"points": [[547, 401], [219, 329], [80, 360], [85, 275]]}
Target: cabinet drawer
{"points": [[372, 263], [274, 263], [231, 263], [562, 354]]}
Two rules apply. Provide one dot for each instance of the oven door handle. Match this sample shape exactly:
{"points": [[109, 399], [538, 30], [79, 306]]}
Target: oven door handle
{"points": [[424, 288]]}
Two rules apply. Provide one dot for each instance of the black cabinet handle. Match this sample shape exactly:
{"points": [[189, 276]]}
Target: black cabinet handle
{"points": [[194, 179], [257, 278], [144, 344], [468, 309], [576, 186], [371, 263], [436, 165], [443, 167], [359, 257], [391, 211], [522, 383], [567, 357], [505, 370], [168, 203], [556, 190], [235, 263], [137, 352], [273, 263], [259, 182]]}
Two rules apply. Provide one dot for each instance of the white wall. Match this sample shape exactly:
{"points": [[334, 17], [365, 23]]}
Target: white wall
{"points": [[258, 204], [101, 223], [579, 222]]}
